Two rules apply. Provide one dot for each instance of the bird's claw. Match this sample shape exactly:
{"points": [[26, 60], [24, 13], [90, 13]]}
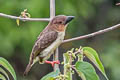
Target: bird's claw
{"points": [[53, 62]]}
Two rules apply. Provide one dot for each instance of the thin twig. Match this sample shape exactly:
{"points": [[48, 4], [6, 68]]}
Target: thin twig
{"points": [[67, 40], [52, 8], [118, 4], [52, 14], [24, 19], [55, 58], [92, 34]]}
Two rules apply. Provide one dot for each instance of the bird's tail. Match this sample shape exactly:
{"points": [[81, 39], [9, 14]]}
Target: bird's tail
{"points": [[31, 62], [27, 69]]}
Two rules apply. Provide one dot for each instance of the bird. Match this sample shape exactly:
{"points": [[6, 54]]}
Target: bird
{"points": [[48, 40]]}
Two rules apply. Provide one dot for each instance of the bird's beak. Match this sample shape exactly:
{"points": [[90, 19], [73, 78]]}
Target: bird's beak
{"points": [[69, 18]]}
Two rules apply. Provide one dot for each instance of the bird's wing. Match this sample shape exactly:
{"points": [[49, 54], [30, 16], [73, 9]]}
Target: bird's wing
{"points": [[44, 40]]}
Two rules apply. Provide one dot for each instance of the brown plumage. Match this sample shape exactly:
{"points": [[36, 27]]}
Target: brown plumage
{"points": [[48, 40]]}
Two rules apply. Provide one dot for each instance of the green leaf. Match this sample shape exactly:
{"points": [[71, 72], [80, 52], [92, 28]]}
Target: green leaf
{"points": [[8, 67], [93, 56], [3, 74], [81, 75], [18, 22], [2, 77], [87, 71], [51, 75]]}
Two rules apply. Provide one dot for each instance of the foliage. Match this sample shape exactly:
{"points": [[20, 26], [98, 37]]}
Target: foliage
{"points": [[87, 70], [24, 14], [4, 65], [84, 69], [93, 56], [51, 75]]}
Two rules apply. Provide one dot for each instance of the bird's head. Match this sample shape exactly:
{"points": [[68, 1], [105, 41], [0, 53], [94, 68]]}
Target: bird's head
{"points": [[60, 22]]}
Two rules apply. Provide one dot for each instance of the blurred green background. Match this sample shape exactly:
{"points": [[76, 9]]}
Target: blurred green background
{"points": [[90, 15]]}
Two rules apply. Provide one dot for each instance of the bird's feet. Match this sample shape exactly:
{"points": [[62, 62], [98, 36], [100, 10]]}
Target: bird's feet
{"points": [[53, 62]]}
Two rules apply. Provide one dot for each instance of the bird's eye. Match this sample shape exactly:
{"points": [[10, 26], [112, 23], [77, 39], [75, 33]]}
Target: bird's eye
{"points": [[60, 22]]}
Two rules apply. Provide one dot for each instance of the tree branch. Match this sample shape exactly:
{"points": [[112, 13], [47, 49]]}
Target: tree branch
{"points": [[93, 34], [24, 19], [53, 14]]}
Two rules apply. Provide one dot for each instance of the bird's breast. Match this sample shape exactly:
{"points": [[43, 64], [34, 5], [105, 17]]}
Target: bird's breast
{"points": [[49, 50]]}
